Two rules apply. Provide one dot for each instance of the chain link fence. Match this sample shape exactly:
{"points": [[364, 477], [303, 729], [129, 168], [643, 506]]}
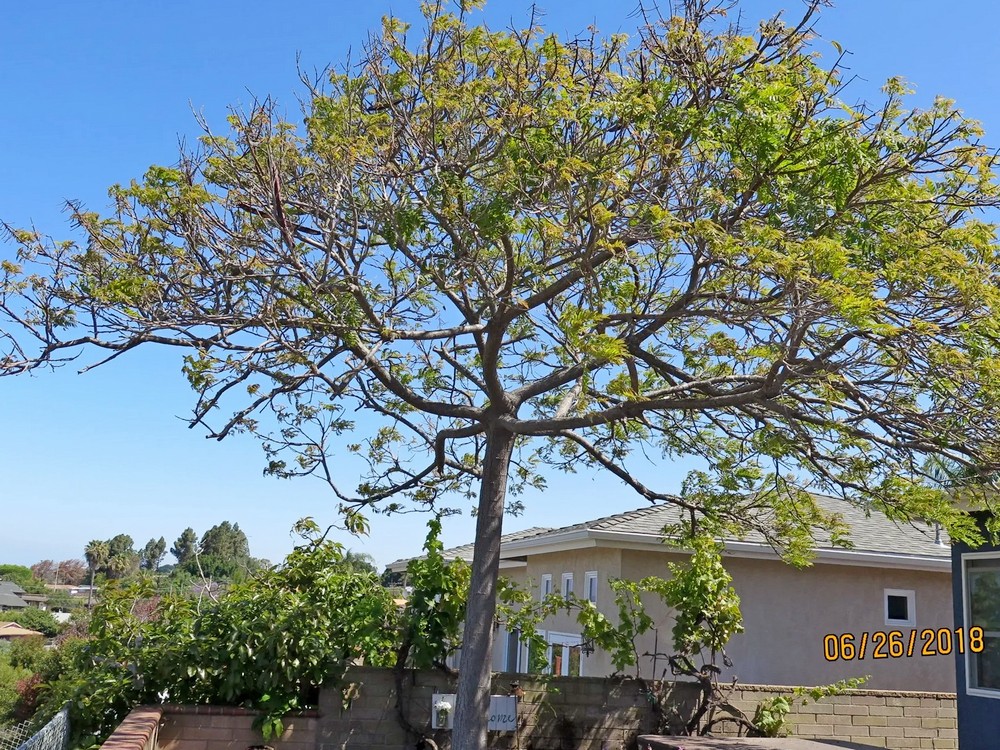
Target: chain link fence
{"points": [[14, 736], [53, 736]]}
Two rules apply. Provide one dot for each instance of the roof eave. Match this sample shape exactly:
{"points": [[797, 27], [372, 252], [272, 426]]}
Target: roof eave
{"points": [[582, 538]]}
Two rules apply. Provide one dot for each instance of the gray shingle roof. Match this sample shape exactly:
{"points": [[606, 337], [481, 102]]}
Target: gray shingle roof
{"points": [[873, 533], [9, 587], [11, 601]]}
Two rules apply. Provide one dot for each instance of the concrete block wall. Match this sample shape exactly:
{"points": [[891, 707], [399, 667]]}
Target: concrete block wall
{"points": [[584, 713], [229, 728], [877, 718]]}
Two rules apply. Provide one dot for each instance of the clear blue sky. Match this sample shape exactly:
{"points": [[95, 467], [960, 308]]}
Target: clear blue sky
{"points": [[93, 93]]}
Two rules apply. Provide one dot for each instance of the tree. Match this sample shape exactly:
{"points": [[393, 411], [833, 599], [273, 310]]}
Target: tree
{"points": [[71, 571], [96, 553], [224, 552], [225, 540], [518, 252], [268, 643], [185, 547], [152, 554], [122, 560], [45, 571], [361, 562], [34, 619], [23, 577]]}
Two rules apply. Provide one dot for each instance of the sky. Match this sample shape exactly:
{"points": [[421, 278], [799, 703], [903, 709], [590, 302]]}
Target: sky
{"points": [[94, 93]]}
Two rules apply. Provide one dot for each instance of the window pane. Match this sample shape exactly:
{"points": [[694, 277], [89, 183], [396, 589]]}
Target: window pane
{"points": [[982, 579], [988, 664], [513, 651], [557, 660], [898, 609], [574, 661], [984, 598], [536, 658]]}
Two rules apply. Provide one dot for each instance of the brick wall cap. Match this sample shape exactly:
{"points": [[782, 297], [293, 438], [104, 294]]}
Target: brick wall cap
{"points": [[136, 729]]}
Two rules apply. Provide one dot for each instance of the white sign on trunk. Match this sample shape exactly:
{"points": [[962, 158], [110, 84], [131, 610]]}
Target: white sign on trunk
{"points": [[503, 712]]}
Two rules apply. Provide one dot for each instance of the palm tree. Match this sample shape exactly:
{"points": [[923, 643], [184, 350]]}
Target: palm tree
{"points": [[360, 562], [97, 553]]}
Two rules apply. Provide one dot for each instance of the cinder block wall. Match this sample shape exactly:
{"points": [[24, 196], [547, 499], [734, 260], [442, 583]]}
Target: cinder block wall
{"points": [[229, 728], [584, 713], [877, 718], [569, 712]]}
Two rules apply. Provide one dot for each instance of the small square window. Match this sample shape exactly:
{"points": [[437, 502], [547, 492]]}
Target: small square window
{"points": [[899, 607], [546, 587], [567, 585], [590, 584]]}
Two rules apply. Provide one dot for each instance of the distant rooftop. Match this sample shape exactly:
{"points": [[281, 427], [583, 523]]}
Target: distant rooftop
{"points": [[464, 551]]}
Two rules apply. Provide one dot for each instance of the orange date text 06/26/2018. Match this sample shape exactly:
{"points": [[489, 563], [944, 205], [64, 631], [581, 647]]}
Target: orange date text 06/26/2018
{"points": [[893, 644]]}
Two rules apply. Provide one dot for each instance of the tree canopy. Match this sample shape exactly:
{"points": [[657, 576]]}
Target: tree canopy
{"points": [[517, 251]]}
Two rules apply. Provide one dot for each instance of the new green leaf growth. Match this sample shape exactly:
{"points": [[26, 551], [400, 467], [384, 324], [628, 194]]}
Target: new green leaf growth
{"points": [[513, 251]]}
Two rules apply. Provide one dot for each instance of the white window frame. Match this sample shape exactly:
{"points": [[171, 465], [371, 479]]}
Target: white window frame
{"points": [[565, 641], [567, 578], [911, 606], [590, 577], [520, 655], [971, 689], [545, 588]]}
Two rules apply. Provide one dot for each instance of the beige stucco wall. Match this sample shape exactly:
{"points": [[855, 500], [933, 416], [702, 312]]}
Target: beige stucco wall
{"points": [[786, 611], [607, 563]]}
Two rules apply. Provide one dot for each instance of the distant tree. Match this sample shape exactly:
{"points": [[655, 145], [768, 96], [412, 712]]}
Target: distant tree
{"points": [[120, 545], [122, 560], [73, 571], [23, 577], [360, 562], [45, 570], [35, 619], [61, 601], [96, 553], [185, 547], [225, 541], [152, 554], [122, 566], [223, 553]]}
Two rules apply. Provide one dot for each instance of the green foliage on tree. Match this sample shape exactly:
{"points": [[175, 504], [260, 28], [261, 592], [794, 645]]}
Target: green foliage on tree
{"points": [[185, 547], [225, 540], [360, 561], [268, 643], [152, 554], [435, 609], [34, 619], [519, 251], [96, 553], [23, 577]]}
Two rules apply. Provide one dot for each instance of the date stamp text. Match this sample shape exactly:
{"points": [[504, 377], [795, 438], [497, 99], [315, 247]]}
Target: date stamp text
{"points": [[893, 644]]}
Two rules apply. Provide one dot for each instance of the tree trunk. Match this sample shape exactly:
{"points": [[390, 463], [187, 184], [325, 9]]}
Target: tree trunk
{"points": [[90, 591], [475, 668]]}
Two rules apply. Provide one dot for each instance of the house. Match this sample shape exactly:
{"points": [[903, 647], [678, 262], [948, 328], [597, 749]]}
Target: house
{"points": [[800, 623], [11, 596], [10, 631]]}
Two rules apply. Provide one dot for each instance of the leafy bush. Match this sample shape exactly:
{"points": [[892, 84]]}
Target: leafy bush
{"points": [[266, 644], [10, 676], [35, 619]]}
